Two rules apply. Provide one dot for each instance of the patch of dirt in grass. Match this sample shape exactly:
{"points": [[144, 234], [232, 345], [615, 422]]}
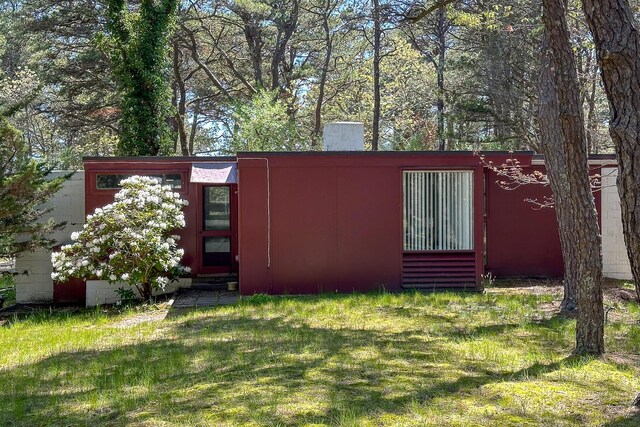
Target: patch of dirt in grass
{"points": [[623, 358], [614, 290], [527, 287], [617, 291], [550, 309], [144, 317], [624, 416]]}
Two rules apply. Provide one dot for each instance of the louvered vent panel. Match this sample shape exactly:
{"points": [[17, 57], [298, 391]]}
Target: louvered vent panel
{"points": [[438, 270]]}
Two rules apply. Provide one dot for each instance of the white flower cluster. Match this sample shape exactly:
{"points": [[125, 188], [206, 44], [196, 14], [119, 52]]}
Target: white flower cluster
{"points": [[129, 240]]}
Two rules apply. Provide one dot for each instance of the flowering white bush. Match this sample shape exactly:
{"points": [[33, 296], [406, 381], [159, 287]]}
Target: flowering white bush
{"points": [[129, 240]]}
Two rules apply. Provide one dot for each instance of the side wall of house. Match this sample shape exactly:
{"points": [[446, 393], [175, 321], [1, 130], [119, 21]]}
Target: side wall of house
{"points": [[317, 222], [319, 225], [522, 238], [34, 285], [615, 261]]}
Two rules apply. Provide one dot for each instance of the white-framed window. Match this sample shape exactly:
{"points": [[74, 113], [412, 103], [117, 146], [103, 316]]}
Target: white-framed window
{"points": [[438, 210]]}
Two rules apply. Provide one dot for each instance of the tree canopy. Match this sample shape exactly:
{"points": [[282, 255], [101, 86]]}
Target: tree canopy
{"points": [[169, 77]]}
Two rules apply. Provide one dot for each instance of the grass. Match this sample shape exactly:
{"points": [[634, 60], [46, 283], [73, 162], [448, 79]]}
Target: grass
{"points": [[407, 359], [7, 289]]}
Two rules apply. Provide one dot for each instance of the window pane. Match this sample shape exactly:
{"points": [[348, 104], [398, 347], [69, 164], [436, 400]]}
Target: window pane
{"points": [[217, 208], [438, 210], [112, 181], [217, 251], [107, 182], [173, 180]]}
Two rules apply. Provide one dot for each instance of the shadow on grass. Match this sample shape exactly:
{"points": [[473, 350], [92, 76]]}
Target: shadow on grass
{"points": [[630, 420], [243, 370]]}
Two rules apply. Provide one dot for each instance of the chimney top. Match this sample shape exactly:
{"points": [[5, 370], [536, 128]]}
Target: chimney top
{"points": [[343, 136]]}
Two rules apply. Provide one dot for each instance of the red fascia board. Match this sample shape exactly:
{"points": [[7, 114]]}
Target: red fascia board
{"points": [[158, 159]]}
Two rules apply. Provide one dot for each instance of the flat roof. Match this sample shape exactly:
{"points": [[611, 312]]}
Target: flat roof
{"points": [[535, 156], [305, 153]]}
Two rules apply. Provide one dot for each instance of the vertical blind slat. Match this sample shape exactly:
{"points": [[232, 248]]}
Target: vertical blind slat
{"points": [[438, 210]]}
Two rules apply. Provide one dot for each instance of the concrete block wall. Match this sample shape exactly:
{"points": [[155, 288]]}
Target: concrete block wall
{"points": [[615, 262], [36, 286], [101, 292]]}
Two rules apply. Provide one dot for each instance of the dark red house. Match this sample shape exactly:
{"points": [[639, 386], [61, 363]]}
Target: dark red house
{"points": [[308, 222]]}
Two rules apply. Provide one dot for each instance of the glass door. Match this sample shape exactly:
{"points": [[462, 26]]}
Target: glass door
{"points": [[218, 241]]}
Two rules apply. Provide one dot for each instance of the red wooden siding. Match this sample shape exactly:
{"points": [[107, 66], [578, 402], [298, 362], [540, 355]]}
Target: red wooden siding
{"points": [[73, 291], [333, 222], [522, 239], [336, 219], [332, 229]]}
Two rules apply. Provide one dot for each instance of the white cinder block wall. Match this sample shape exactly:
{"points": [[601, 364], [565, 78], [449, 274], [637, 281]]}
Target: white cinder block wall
{"points": [[615, 262], [36, 286], [102, 292]]}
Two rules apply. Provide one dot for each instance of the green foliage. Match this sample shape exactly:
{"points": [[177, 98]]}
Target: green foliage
{"points": [[95, 86], [25, 184], [138, 44], [263, 124], [7, 288], [126, 295], [24, 187]]}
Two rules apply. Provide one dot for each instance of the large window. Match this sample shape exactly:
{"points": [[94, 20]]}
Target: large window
{"points": [[438, 210]]}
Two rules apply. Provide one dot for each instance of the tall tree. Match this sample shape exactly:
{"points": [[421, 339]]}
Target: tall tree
{"points": [[25, 184], [138, 42], [429, 37], [564, 145], [377, 45], [615, 33], [324, 12]]}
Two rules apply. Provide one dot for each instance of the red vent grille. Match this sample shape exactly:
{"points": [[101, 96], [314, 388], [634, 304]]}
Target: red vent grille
{"points": [[439, 270]]}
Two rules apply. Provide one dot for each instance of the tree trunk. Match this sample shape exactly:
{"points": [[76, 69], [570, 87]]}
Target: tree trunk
{"points": [[440, 73], [253, 37], [194, 127], [617, 42], [286, 28], [552, 145], [592, 143], [564, 142], [317, 123], [145, 291], [181, 100], [377, 36]]}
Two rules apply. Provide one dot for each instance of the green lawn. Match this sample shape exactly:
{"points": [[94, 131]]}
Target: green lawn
{"points": [[7, 289], [501, 358]]}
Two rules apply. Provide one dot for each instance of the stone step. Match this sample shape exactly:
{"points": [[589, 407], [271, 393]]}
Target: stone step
{"points": [[212, 283]]}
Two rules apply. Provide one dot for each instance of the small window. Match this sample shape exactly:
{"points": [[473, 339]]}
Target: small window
{"points": [[173, 180], [109, 182], [438, 210], [217, 251], [217, 208], [112, 181]]}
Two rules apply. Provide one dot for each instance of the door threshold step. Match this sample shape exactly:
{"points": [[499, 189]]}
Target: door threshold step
{"points": [[209, 286]]}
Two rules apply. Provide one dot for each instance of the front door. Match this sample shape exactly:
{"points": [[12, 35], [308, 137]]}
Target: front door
{"points": [[218, 236]]}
